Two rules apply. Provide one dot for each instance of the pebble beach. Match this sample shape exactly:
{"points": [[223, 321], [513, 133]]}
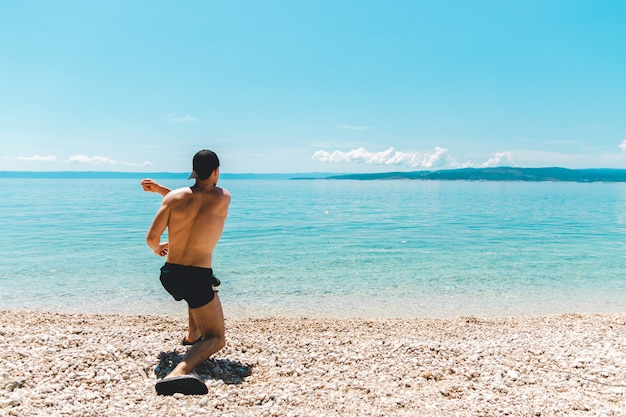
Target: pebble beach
{"points": [[106, 365]]}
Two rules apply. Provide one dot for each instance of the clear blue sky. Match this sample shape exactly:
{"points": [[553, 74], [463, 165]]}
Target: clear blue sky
{"points": [[304, 86]]}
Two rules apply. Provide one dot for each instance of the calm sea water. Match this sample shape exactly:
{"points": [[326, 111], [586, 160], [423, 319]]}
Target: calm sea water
{"points": [[325, 248]]}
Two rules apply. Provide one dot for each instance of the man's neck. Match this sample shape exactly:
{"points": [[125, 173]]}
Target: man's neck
{"points": [[204, 184]]}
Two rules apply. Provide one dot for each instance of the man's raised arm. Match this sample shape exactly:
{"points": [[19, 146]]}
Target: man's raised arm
{"points": [[154, 187]]}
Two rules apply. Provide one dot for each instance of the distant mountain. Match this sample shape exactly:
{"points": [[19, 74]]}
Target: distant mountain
{"points": [[499, 174]]}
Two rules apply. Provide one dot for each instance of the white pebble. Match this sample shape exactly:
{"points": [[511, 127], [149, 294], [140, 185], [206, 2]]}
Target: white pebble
{"points": [[512, 374]]}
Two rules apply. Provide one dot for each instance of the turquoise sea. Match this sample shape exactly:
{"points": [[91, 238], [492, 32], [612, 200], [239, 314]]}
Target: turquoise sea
{"points": [[325, 248]]}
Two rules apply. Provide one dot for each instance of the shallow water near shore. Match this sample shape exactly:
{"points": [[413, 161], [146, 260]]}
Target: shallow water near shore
{"points": [[326, 248]]}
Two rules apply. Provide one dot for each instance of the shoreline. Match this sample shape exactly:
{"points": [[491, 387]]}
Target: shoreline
{"points": [[95, 364], [346, 306]]}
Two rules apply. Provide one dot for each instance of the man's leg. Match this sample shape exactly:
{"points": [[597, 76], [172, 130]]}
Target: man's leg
{"points": [[193, 334], [210, 321]]}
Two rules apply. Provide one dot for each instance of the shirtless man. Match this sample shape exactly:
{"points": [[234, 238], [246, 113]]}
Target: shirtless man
{"points": [[194, 218]]}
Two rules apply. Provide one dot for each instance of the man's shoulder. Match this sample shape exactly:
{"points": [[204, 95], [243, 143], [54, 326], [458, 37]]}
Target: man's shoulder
{"points": [[222, 195], [224, 191], [181, 191], [177, 194]]}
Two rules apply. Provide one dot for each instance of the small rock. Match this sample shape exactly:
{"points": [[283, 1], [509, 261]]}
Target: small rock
{"points": [[512, 374], [12, 402]]}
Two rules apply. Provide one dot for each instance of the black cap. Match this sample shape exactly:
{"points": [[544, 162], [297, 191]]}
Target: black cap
{"points": [[204, 163]]}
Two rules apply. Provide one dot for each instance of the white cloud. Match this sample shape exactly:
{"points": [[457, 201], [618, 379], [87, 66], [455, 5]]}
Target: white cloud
{"points": [[498, 158], [177, 118], [103, 160], [49, 158], [622, 145], [92, 160], [390, 156], [352, 127], [387, 157]]}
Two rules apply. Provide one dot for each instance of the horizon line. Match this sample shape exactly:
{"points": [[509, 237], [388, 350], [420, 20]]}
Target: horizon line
{"points": [[297, 175], [299, 172]]}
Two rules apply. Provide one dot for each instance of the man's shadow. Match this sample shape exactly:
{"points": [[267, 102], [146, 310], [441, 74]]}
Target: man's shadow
{"points": [[231, 372]]}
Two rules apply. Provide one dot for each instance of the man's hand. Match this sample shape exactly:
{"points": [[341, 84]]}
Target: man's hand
{"points": [[154, 187], [149, 185], [162, 249]]}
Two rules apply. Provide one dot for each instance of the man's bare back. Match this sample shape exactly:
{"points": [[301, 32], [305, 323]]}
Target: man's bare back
{"points": [[194, 217]]}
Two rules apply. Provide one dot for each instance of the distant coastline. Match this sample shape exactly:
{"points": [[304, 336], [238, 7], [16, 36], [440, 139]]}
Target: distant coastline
{"points": [[500, 174], [553, 174]]}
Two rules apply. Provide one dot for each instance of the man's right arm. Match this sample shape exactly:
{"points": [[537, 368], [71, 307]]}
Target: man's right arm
{"points": [[157, 228], [153, 186]]}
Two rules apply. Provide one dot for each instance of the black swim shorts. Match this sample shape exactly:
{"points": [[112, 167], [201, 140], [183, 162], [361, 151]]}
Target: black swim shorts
{"points": [[190, 283]]}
